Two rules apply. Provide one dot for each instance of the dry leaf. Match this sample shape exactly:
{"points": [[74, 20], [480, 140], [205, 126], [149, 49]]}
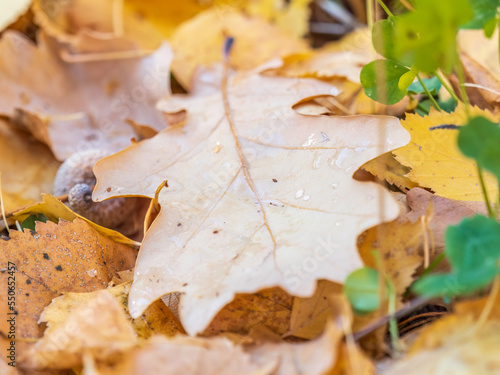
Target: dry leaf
{"points": [[435, 160], [446, 211], [310, 315], [98, 327], [157, 319], [82, 112], [269, 308], [56, 259], [487, 54], [11, 10], [87, 28], [460, 343], [221, 356], [343, 58], [387, 168], [55, 210], [272, 205], [28, 167], [199, 42]]}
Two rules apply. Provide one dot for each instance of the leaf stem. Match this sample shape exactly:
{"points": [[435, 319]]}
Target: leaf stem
{"points": [[369, 13], [393, 322], [447, 87], [385, 8], [463, 91], [422, 108], [431, 98], [485, 192]]}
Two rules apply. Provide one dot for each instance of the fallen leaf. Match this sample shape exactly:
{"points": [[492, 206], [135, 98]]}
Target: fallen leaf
{"points": [[199, 42], [270, 308], [387, 168], [310, 315], [82, 113], [97, 327], [435, 160], [86, 27], [446, 211], [343, 58], [459, 343], [398, 244], [28, 167], [487, 55], [56, 259], [220, 356], [157, 319], [257, 208], [55, 210], [11, 11]]}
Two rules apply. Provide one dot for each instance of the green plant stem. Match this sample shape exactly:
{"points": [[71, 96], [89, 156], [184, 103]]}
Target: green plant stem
{"points": [[485, 192], [384, 7], [447, 87], [369, 13], [393, 323], [431, 98], [463, 90], [433, 264]]}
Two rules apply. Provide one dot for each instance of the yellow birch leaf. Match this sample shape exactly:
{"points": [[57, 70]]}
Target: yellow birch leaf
{"points": [[435, 160]]}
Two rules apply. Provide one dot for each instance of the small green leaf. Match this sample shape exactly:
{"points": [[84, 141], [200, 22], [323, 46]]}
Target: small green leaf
{"points": [[480, 140], [406, 80], [362, 290], [489, 27], [484, 12], [383, 35], [29, 222], [473, 250], [433, 85], [380, 80]]}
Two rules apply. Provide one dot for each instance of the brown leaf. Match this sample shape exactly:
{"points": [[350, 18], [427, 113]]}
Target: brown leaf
{"points": [[97, 326], [81, 113], [56, 259]]}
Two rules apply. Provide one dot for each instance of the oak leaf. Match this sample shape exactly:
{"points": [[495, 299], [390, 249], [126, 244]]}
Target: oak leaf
{"points": [[259, 199]]}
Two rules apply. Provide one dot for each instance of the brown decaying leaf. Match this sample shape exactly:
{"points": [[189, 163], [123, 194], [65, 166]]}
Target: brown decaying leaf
{"points": [[270, 308], [81, 113], [57, 259], [87, 27], [486, 93], [446, 211], [97, 327], [249, 210], [465, 342], [28, 167], [220, 356], [310, 315]]}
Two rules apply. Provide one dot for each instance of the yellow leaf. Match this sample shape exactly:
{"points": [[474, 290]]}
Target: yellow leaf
{"points": [[96, 326], [387, 168], [54, 210], [199, 42], [435, 160]]}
